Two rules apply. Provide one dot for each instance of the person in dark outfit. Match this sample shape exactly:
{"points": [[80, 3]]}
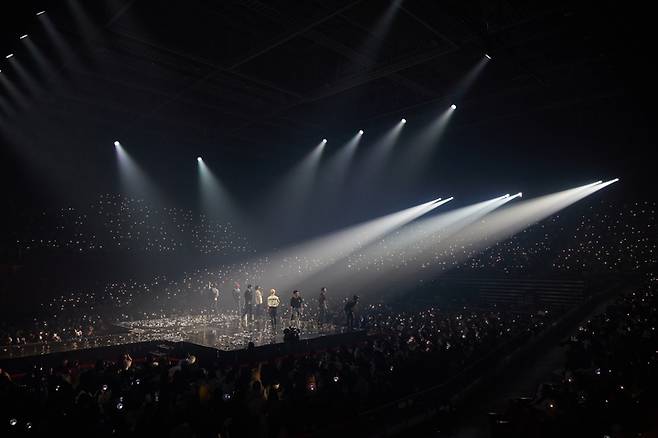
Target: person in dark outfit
{"points": [[295, 308], [248, 309], [349, 311]]}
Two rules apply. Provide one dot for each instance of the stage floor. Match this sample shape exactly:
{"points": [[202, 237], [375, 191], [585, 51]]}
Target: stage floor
{"points": [[223, 332]]}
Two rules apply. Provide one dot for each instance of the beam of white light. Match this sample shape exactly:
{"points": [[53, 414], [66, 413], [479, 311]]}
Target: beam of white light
{"points": [[22, 37], [465, 84], [46, 69], [59, 42], [449, 251], [426, 141], [30, 82], [511, 220], [487, 56], [367, 52], [286, 199], [340, 162], [13, 91], [216, 201], [453, 107], [436, 253], [83, 20], [291, 266], [380, 152], [407, 244], [11, 55], [133, 180], [40, 13]]}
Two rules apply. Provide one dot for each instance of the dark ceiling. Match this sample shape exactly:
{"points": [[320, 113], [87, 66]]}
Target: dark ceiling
{"points": [[260, 78]]}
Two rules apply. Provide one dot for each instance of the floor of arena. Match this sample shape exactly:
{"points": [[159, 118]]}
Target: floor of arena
{"points": [[223, 332]]}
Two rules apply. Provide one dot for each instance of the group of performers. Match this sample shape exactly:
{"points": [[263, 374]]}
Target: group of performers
{"points": [[252, 305]]}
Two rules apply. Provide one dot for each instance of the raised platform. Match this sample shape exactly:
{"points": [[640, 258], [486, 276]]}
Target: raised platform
{"points": [[216, 335]]}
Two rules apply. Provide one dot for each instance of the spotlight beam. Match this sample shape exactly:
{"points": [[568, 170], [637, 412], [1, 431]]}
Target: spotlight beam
{"points": [[59, 42], [14, 92], [25, 77], [449, 251], [338, 165], [286, 199], [283, 269], [426, 142], [216, 202], [410, 243], [133, 180]]}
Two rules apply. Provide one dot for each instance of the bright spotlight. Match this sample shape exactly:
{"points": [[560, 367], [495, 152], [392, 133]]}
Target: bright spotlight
{"points": [[403, 121], [199, 159], [614, 180], [453, 106], [324, 140], [506, 196], [487, 56], [520, 194], [117, 144], [23, 37], [40, 13], [360, 131], [9, 56]]}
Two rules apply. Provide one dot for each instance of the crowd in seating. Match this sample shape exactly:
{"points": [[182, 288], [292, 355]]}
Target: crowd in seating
{"points": [[602, 237], [599, 235], [609, 384], [297, 395], [121, 223], [610, 372]]}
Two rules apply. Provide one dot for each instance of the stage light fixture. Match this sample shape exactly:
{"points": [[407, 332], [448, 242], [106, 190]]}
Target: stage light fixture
{"points": [[199, 159], [40, 13], [23, 37], [324, 140], [116, 143], [487, 56], [360, 131], [453, 106], [9, 56], [403, 121]]}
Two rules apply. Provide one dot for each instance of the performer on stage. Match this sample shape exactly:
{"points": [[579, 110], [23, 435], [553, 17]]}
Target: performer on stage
{"points": [[295, 308], [273, 303], [258, 303], [237, 298], [248, 310], [214, 298], [349, 311], [322, 307]]}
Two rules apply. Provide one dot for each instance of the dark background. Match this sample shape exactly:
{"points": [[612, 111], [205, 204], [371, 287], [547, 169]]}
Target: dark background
{"points": [[253, 86]]}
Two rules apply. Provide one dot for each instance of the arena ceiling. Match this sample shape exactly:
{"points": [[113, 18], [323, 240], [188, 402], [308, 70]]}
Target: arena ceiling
{"points": [[243, 72]]}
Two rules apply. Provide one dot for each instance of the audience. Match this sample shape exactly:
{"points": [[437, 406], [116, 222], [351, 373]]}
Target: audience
{"points": [[291, 393], [609, 384]]}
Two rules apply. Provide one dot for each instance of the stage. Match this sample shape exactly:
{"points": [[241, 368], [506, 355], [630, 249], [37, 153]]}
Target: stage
{"points": [[221, 332]]}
